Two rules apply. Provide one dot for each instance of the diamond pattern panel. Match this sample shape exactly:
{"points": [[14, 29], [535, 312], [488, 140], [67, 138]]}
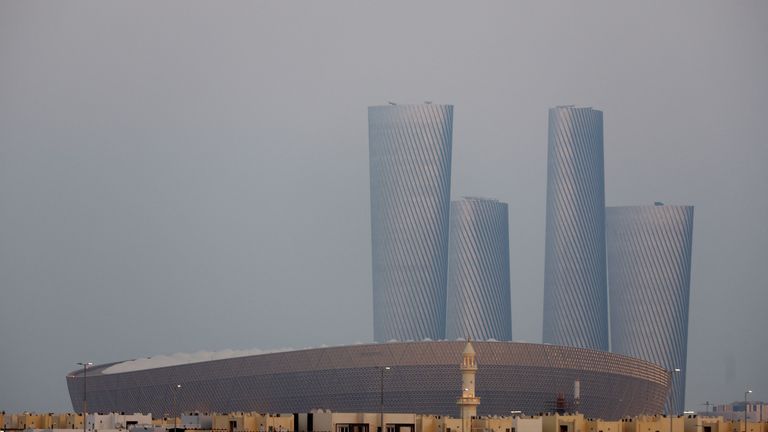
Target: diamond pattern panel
{"points": [[424, 378], [649, 274], [478, 302], [410, 168], [575, 291]]}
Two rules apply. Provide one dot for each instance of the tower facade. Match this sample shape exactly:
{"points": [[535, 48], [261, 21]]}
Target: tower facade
{"points": [[410, 168], [575, 292], [649, 278], [478, 298], [468, 402]]}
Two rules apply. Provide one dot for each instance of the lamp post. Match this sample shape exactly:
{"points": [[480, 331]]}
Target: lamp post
{"points": [[85, 391], [175, 404], [671, 392], [381, 398], [745, 408]]}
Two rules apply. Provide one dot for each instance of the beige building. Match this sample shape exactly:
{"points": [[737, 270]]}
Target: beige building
{"points": [[657, 423], [21, 421], [228, 422], [506, 424], [327, 421]]}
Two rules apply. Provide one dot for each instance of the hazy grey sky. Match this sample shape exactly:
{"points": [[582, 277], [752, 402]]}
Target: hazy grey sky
{"points": [[184, 176]]}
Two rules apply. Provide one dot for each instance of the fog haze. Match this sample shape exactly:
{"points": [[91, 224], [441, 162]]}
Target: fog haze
{"points": [[185, 176]]}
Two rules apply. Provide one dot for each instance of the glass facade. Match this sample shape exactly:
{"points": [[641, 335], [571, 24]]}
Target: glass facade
{"points": [[478, 303], [410, 169], [575, 291], [424, 377], [649, 278]]}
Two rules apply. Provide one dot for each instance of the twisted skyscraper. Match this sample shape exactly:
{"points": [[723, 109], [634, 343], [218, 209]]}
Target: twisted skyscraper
{"points": [[649, 275], [410, 168], [478, 303], [575, 292]]}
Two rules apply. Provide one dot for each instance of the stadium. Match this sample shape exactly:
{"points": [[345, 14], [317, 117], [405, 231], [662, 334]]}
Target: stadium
{"points": [[413, 377]]}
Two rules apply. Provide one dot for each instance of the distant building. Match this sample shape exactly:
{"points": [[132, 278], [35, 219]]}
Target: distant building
{"points": [[575, 293], [424, 378], [757, 411], [649, 279], [478, 304], [410, 169]]}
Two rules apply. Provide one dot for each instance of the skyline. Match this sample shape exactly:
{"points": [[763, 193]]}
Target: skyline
{"points": [[194, 166]]}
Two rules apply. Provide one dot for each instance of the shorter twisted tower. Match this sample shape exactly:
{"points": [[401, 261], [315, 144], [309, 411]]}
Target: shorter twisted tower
{"points": [[649, 277], [478, 302]]}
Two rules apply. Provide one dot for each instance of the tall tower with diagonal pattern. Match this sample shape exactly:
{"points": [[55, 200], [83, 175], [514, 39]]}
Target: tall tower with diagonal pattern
{"points": [[478, 303], [649, 279], [575, 292], [410, 168]]}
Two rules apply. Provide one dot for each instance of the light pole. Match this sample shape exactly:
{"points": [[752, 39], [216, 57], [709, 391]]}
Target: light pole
{"points": [[381, 398], [671, 391], [745, 408], [85, 391], [175, 404]]}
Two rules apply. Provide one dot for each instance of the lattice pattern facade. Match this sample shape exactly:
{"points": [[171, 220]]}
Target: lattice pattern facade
{"points": [[410, 168], [424, 378], [575, 291], [478, 302], [649, 277]]}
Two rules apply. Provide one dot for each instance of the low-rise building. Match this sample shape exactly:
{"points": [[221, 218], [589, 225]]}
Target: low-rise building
{"points": [[655, 423], [117, 421], [506, 424], [328, 421]]}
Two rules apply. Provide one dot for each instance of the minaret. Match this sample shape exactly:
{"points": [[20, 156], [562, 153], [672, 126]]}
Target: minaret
{"points": [[468, 402]]}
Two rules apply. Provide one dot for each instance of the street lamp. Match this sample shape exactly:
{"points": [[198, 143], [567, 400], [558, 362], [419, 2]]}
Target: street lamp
{"points": [[381, 398], [175, 404], [518, 412], [745, 408], [85, 390], [671, 391]]}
